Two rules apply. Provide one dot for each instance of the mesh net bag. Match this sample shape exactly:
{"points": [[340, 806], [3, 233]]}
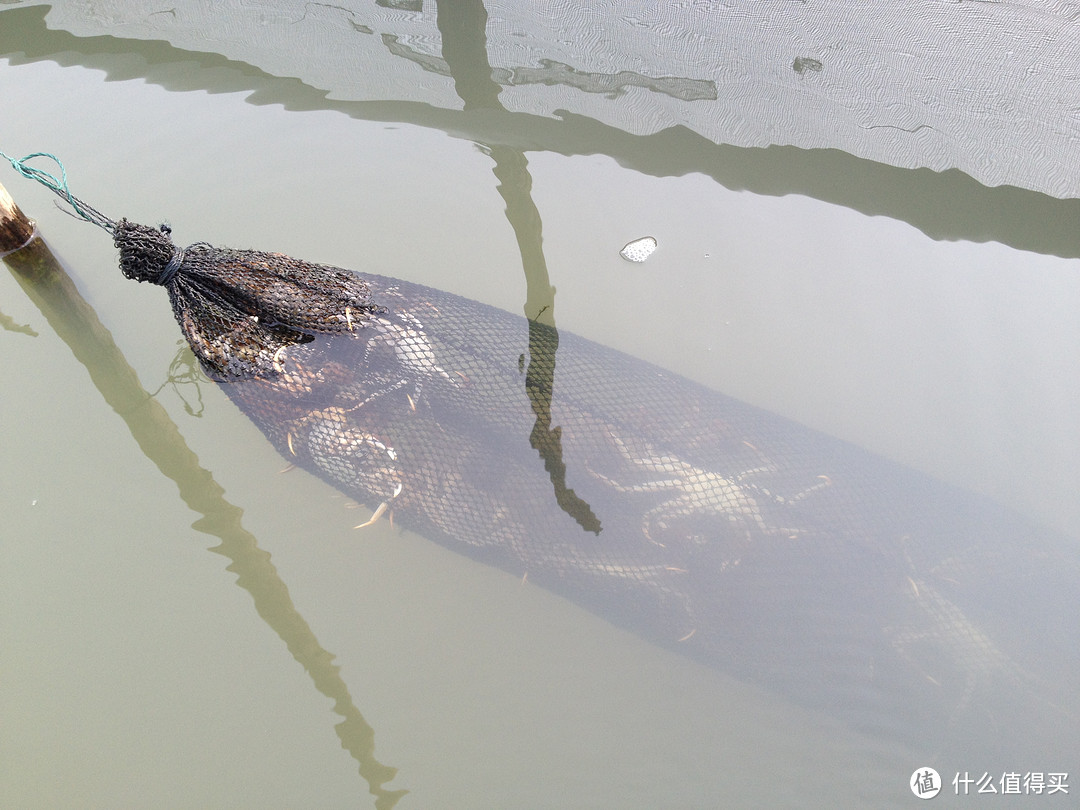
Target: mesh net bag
{"points": [[705, 524], [239, 309], [708, 525]]}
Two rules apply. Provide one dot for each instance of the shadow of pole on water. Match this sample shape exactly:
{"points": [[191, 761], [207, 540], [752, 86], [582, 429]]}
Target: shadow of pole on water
{"points": [[462, 24], [52, 290], [945, 205]]}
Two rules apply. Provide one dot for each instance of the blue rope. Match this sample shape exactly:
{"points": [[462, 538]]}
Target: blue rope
{"points": [[58, 185]]}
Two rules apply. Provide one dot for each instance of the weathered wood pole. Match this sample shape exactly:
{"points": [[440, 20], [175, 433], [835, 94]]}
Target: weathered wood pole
{"points": [[27, 255], [16, 229]]}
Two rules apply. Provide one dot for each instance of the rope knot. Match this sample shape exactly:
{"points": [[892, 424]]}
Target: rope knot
{"points": [[172, 267]]}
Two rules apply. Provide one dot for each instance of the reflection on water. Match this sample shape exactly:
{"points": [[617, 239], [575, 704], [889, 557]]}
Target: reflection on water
{"points": [[46, 283], [462, 26], [552, 72], [935, 605], [943, 204]]}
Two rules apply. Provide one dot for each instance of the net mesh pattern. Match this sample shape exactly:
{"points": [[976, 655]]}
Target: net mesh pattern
{"points": [[708, 525], [240, 308], [703, 523]]}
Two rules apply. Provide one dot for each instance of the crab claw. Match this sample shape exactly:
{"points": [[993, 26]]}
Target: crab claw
{"points": [[380, 510], [378, 513]]}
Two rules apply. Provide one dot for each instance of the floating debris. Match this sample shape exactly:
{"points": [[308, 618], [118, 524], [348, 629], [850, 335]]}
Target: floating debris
{"points": [[638, 250], [805, 63]]}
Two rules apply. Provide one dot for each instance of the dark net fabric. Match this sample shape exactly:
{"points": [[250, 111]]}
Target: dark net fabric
{"points": [[707, 525], [240, 308]]}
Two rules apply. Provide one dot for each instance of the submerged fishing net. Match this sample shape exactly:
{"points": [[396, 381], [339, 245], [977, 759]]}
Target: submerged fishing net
{"points": [[701, 522]]}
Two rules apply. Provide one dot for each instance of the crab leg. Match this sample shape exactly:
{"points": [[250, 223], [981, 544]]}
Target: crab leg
{"points": [[380, 510]]}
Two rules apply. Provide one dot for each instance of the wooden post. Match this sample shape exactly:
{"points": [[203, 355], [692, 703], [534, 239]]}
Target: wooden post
{"points": [[26, 253], [16, 229]]}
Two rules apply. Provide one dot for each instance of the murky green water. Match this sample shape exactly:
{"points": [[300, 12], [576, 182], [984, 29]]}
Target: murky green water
{"points": [[920, 315]]}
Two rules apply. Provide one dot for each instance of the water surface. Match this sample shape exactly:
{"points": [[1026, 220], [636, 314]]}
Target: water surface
{"points": [[811, 283]]}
